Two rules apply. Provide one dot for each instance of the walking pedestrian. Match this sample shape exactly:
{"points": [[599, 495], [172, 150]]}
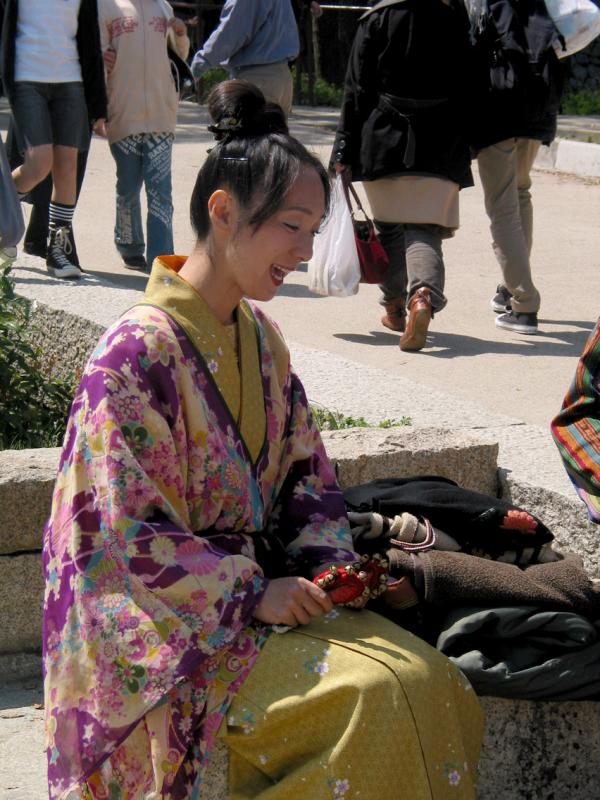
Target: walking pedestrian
{"points": [[401, 132], [142, 115], [519, 80], [52, 74], [35, 241], [255, 40]]}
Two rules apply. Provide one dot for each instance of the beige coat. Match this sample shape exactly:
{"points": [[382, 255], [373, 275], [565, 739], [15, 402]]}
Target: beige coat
{"points": [[142, 97]]}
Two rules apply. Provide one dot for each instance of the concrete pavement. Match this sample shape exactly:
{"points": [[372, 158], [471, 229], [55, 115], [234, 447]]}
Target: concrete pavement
{"points": [[472, 375]]}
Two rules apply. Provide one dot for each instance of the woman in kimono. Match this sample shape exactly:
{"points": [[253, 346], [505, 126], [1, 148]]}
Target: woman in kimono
{"points": [[194, 504]]}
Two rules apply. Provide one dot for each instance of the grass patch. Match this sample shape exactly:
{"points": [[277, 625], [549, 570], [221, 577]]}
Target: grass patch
{"points": [[332, 420]]}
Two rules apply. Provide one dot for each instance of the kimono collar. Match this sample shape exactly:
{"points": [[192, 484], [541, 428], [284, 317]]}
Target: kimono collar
{"points": [[240, 386]]}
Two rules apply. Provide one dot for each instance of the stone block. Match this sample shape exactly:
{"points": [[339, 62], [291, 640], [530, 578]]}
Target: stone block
{"points": [[21, 598], [26, 482], [565, 516], [364, 454], [66, 340], [540, 750]]}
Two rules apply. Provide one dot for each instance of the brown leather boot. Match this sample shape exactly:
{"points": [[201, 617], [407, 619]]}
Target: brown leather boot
{"points": [[419, 317], [395, 315]]}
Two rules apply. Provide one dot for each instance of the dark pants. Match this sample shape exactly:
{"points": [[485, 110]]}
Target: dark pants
{"points": [[36, 234], [415, 253]]}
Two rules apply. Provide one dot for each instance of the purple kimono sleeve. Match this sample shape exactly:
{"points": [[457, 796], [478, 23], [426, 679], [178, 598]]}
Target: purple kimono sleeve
{"points": [[309, 516], [135, 602]]}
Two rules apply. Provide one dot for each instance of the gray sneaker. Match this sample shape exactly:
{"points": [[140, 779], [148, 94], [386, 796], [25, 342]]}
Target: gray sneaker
{"points": [[518, 321], [500, 302], [60, 254]]}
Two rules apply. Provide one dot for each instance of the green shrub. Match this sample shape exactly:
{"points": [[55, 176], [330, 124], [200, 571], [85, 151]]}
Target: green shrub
{"points": [[582, 103], [328, 420], [326, 94], [210, 79], [33, 407]]}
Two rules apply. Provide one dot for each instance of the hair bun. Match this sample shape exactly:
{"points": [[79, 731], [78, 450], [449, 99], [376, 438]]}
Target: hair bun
{"points": [[239, 111]]}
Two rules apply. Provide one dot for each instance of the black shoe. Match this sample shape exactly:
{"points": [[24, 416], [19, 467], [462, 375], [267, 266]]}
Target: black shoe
{"points": [[518, 321], [59, 257], [137, 263], [35, 248], [500, 302]]}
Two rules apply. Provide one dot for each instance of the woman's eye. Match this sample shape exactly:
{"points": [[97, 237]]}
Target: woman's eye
{"points": [[291, 227]]}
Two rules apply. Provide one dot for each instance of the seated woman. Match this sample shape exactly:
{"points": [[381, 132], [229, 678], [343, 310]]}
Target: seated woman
{"points": [[194, 503]]}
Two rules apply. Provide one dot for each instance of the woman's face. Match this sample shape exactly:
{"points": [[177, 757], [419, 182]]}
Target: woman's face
{"points": [[260, 259]]}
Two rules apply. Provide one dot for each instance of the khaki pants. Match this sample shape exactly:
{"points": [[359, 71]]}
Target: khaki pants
{"points": [[274, 81], [504, 171]]}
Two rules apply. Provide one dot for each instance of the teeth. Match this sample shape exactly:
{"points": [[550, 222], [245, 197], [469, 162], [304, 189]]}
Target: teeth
{"points": [[279, 272]]}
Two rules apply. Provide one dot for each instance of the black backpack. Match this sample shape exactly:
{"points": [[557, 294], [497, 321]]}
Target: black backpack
{"points": [[516, 57]]}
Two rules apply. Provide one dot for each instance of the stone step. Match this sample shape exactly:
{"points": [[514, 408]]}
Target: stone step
{"points": [[27, 478]]}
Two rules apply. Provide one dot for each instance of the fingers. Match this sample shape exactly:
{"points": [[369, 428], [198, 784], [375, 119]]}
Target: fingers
{"points": [[308, 602]]}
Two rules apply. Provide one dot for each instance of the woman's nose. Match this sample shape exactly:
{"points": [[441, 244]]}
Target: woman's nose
{"points": [[304, 246]]}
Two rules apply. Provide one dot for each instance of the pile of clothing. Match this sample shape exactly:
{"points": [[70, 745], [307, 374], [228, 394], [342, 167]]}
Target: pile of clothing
{"points": [[521, 619]]}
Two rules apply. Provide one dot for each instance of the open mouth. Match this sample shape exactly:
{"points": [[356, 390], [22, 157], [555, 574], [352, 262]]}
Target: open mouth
{"points": [[278, 274]]}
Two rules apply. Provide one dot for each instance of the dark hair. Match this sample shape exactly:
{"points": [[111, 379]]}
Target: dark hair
{"points": [[255, 158]]}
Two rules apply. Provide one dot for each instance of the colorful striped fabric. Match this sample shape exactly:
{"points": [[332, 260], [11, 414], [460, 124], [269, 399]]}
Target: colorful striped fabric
{"points": [[576, 429]]}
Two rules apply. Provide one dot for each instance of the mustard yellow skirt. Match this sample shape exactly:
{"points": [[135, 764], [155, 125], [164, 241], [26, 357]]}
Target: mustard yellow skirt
{"points": [[353, 707]]}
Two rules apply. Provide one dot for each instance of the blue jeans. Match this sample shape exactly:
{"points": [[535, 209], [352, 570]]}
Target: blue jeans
{"points": [[144, 158]]}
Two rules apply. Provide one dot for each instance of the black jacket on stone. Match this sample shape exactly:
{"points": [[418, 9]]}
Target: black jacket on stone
{"points": [[88, 47], [406, 93]]}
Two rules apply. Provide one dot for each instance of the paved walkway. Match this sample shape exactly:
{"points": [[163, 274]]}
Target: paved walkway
{"points": [[472, 375]]}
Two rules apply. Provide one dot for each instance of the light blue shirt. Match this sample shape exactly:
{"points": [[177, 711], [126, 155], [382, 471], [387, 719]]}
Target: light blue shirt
{"points": [[250, 33]]}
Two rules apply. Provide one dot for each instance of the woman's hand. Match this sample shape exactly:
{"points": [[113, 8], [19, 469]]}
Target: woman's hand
{"points": [[292, 601], [178, 26], [99, 127], [110, 59]]}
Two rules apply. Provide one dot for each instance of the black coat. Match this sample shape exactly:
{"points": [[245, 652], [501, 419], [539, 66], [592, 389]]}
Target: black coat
{"points": [[88, 47], [518, 76], [406, 93]]}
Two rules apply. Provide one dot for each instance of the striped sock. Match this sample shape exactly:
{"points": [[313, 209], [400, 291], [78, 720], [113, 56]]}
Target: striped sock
{"points": [[60, 215]]}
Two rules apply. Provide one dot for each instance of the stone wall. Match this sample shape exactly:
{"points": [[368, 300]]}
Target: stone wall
{"points": [[27, 478], [583, 69]]}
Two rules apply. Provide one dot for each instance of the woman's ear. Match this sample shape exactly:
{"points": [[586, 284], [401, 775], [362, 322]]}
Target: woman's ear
{"points": [[222, 210]]}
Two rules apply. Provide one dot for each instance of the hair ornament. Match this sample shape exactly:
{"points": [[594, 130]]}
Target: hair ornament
{"points": [[225, 126]]}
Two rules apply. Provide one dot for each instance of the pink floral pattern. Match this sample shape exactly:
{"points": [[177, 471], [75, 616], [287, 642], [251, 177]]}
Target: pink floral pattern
{"points": [[151, 578]]}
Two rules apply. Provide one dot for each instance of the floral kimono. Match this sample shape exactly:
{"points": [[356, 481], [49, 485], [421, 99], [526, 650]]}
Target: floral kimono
{"points": [[168, 439], [184, 455]]}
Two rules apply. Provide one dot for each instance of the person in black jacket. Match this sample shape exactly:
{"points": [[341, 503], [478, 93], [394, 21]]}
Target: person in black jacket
{"points": [[520, 81], [401, 133], [52, 72]]}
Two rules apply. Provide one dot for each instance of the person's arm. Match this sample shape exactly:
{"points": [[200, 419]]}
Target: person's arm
{"points": [[309, 515], [121, 501], [360, 96], [576, 429], [92, 64], [239, 21], [178, 36]]}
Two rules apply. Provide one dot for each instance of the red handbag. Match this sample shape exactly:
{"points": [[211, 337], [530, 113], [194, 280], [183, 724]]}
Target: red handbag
{"points": [[374, 261]]}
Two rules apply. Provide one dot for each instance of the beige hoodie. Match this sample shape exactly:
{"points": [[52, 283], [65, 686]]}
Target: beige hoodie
{"points": [[142, 97]]}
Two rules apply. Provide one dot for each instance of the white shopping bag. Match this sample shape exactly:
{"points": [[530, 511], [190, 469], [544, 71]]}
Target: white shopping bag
{"points": [[334, 268], [577, 20]]}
